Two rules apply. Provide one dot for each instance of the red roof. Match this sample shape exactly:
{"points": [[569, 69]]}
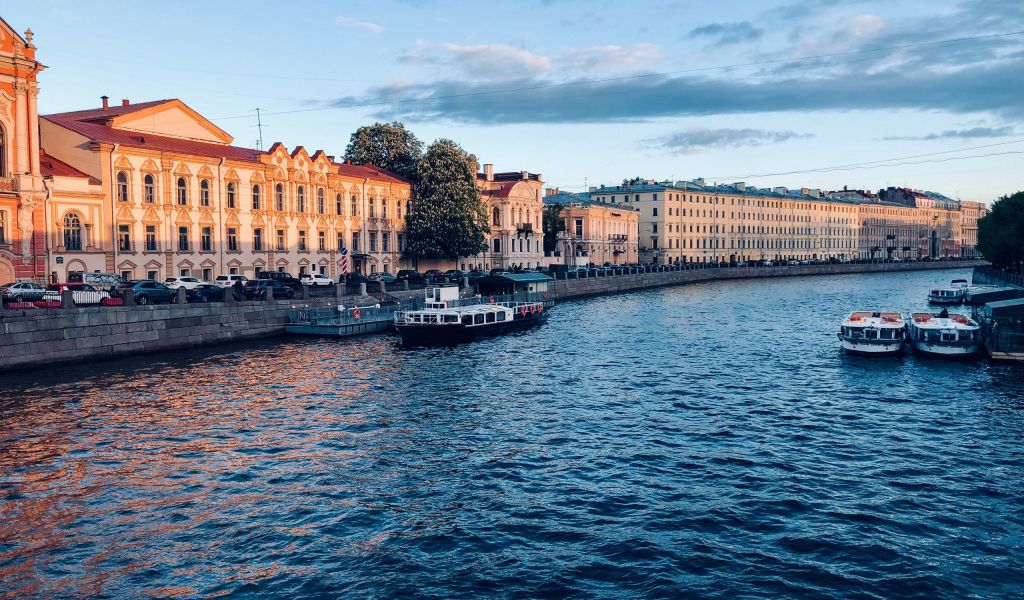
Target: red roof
{"points": [[99, 132], [100, 114], [51, 167], [369, 171], [503, 192]]}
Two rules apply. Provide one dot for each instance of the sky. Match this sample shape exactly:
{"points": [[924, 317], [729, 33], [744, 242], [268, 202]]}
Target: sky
{"points": [[797, 93]]}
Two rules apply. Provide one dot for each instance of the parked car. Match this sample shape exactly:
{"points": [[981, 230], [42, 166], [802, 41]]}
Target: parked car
{"points": [[189, 283], [21, 291], [256, 289], [147, 291], [100, 281], [383, 276], [229, 280], [283, 278], [316, 279], [409, 275], [355, 278], [475, 275], [206, 292], [81, 293]]}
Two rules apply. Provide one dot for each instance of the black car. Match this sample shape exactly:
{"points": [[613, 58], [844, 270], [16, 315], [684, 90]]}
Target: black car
{"points": [[206, 292], [147, 291], [256, 289], [356, 279], [409, 275], [283, 278]]}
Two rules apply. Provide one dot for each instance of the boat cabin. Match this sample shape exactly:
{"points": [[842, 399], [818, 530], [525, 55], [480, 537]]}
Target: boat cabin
{"points": [[441, 296], [514, 283]]}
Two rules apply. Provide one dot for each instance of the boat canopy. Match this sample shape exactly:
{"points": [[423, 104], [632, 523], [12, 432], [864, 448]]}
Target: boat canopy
{"points": [[1004, 309]]}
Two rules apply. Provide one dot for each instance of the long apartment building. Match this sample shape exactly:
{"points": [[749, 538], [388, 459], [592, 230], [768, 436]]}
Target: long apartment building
{"points": [[594, 232], [692, 221]]}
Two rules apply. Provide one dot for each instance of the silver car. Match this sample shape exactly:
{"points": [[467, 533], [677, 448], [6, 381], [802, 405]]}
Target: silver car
{"points": [[21, 291]]}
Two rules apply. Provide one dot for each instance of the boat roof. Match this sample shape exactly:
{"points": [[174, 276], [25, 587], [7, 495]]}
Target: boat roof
{"points": [[461, 310], [954, 320], [1005, 308]]}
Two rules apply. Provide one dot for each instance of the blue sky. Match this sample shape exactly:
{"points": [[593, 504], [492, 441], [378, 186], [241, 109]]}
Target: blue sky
{"points": [[771, 93]]}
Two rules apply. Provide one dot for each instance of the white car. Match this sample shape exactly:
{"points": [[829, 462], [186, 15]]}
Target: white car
{"points": [[229, 280], [316, 279], [189, 283]]}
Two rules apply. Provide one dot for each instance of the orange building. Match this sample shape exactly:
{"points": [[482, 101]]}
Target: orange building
{"points": [[22, 189]]}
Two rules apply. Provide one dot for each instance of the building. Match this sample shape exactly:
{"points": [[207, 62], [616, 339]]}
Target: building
{"points": [[515, 216], [22, 187], [909, 224], [595, 232], [970, 214], [692, 221], [176, 198]]}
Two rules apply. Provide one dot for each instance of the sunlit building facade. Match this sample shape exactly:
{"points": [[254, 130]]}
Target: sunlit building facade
{"points": [[515, 212], [970, 213], [595, 232]]}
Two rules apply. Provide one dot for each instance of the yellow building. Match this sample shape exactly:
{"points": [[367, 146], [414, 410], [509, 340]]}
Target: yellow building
{"points": [[515, 212], [908, 224], [970, 213], [176, 198], [595, 232]]}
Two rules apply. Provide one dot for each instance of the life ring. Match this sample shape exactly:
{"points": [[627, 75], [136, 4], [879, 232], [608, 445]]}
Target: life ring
{"points": [[533, 309], [545, 295], [356, 314], [491, 299], [540, 308], [522, 311]]}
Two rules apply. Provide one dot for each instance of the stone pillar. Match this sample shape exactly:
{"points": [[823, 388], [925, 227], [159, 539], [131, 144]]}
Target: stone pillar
{"points": [[405, 285], [270, 293], [465, 283], [383, 287], [303, 292], [129, 297], [339, 291], [229, 295], [67, 299], [182, 295], [362, 289]]}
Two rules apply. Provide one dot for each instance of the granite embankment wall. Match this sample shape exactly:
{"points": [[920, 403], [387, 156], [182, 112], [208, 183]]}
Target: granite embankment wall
{"points": [[592, 286], [32, 338]]}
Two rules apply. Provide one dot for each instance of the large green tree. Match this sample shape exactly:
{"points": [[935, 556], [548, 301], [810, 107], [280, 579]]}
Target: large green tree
{"points": [[553, 224], [448, 218], [387, 145], [1001, 232]]}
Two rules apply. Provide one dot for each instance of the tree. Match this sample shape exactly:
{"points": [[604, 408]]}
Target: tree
{"points": [[553, 225], [633, 181], [386, 145], [1001, 232], [448, 218]]}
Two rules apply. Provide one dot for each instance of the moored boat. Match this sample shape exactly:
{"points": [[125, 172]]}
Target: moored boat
{"points": [[874, 333], [442, 323], [954, 294], [944, 334]]}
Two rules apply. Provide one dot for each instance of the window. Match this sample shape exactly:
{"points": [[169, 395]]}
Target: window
{"points": [[373, 208], [151, 239], [232, 239], [184, 272], [151, 274], [300, 197], [280, 239], [72, 232], [3, 227], [355, 206], [337, 204], [322, 241], [398, 209], [126, 275], [385, 242], [302, 241], [496, 216], [373, 241], [149, 189], [204, 192], [256, 197], [257, 239], [182, 193], [401, 242], [124, 238], [497, 245], [207, 274], [3, 153], [183, 239], [654, 211], [122, 186], [231, 194], [341, 241], [321, 203], [355, 241], [579, 227], [383, 209], [206, 239]]}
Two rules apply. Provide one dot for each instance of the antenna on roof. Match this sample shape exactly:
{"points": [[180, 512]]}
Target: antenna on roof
{"points": [[259, 126]]}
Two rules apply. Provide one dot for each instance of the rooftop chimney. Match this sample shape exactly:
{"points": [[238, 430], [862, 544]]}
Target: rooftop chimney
{"points": [[489, 172], [125, 102], [552, 191], [526, 174], [106, 102]]}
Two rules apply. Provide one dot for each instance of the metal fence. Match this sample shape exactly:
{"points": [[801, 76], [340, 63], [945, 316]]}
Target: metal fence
{"points": [[1008, 277], [340, 315]]}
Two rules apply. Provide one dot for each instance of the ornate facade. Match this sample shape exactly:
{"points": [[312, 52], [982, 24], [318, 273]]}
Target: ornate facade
{"points": [[970, 214], [515, 212], [595, 233]]}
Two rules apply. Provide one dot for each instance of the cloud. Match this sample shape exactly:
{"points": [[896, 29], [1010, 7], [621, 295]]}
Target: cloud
{"points": [[610, 57], [691, 141], [357, 24], [728, 33], [491, 60], [972, 133]]}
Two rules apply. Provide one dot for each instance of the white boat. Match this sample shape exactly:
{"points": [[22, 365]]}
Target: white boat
{"points": [[944, 334], [443, 322], [954, 294], [874, 333]]}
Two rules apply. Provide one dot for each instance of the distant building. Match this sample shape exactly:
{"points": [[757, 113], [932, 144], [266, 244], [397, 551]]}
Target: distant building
{"points": [[595, 232], [515, 217], [970, 214]]}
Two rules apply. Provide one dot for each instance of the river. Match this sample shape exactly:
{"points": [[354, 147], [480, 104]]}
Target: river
{"points": [[705, 440]]}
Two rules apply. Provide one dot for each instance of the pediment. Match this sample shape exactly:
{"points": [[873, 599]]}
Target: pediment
{"points": [[208, 263], [122, 162], [150, 166], [260, 262], [125, 265], [281, 262], [153, 264], [206, 218], [234, 262], [172, 119], [256, 220], [233, 219], [124, 213], [205, 172], [182, 169], [186, 264], [183, 217], [151, 216]]}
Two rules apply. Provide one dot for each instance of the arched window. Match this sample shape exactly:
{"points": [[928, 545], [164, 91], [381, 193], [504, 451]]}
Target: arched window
{"points": [[204, 192], [122, 186], [182, 191], [149, 189], [373, 207], [321, 204], [338, 204], [383, 208], [398, 209], [279, 197], [3, 152], [496, 216], [300, 197], [72, 232], [256, 197], [355, 205], [231, 194]]}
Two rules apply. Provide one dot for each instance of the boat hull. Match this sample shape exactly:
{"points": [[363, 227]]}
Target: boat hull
{"points": [[872, 348], [450, 335], [949, 350], [946, 301]]}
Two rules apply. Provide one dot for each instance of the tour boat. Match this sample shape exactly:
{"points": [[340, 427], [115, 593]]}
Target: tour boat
{"points": [[441, 323], [944, 334], [952, 295], [874, 333]]}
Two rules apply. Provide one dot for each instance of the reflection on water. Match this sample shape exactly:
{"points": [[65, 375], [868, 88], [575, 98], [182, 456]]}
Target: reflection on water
{"points": [[707, 440]]}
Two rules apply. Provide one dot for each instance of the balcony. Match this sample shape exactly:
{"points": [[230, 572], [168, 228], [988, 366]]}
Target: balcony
{"points": [[524, 228], [8, 184], [617, 238]]}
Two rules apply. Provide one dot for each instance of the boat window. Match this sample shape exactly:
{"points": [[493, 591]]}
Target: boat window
{"points": [[949, 337], [933, 336], [871, 334], [477, 319], [501, 316], [966, 336], [856, 332], [886, 334], [451, 318], [490, 317], [467, 319]]}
